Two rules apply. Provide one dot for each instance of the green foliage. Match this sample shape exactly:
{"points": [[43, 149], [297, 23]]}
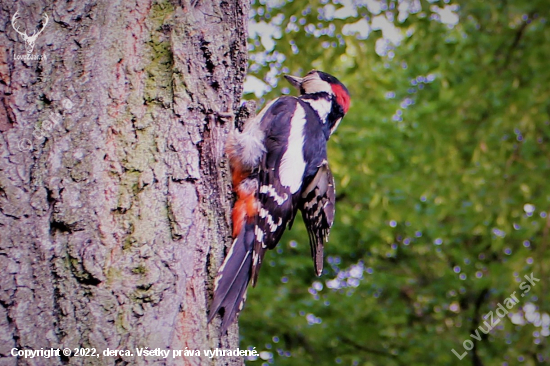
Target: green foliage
{"points": [[441, 168]]}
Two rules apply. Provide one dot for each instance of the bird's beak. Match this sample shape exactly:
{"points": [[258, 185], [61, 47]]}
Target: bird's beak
{"points": [[295, 81]]}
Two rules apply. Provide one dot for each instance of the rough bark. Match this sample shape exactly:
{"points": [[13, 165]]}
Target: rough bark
{"points": [[114, 190]]}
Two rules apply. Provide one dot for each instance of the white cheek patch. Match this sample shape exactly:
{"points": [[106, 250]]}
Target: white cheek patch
{"points": [[291, 170], [321, 106]]}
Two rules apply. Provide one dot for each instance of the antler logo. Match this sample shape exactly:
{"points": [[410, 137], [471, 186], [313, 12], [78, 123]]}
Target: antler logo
{"points": [[29, 40]]}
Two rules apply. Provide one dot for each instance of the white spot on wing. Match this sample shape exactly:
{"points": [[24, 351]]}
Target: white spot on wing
{"points": [[272, 224], [309, 205], [272, 192], [293, 165], [259, 234]]}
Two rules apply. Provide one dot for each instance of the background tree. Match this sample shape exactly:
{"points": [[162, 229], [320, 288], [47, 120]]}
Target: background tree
{"points": [[441, 172], [114, 200]]}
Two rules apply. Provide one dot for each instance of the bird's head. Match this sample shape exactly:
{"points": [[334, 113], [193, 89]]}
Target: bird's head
{"points": [[320, 82]]}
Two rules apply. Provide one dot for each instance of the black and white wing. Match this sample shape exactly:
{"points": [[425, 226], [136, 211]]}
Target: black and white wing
{"points": [[279, 175], [317, 207]]}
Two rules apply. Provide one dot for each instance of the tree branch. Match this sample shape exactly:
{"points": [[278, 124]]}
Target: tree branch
{"points": [[519, 34], [370, 350]]}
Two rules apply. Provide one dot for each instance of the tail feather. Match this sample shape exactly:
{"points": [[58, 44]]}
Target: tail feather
{"points": [[233, 278]]}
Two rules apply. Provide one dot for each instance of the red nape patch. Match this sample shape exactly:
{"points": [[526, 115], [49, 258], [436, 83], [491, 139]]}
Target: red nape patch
{"points": [[342, 97]]}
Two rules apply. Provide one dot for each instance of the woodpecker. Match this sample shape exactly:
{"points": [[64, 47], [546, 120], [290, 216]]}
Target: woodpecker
{"points": [[279, 165]]}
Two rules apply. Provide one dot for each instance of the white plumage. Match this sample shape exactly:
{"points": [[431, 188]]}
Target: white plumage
{"points": [[291, 170]]}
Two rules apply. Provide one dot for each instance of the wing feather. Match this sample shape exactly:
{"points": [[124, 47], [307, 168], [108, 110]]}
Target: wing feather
{"points": [[317, 207], [277, 204]]}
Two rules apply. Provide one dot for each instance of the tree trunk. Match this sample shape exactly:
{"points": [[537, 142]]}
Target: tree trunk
{"points": [[114, 189]]}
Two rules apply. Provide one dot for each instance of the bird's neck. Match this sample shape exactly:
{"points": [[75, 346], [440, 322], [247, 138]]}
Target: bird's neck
{"points": [[327, 110]]}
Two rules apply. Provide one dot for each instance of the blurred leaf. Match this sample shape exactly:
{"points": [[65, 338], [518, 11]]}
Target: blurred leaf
{"points": [[444, 145]]}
